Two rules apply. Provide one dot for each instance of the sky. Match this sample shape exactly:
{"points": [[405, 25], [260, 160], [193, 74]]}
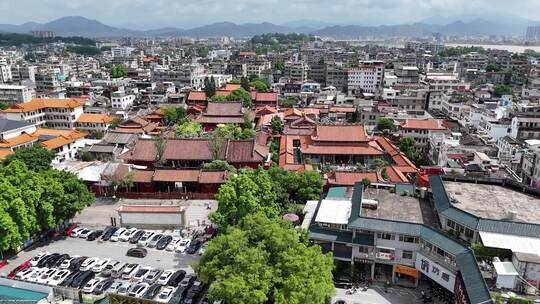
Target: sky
{"points": [[148, 14]]}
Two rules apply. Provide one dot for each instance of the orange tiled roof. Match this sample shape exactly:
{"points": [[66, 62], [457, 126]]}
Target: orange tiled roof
{"points": [[341, 150], [24, 138], [94, 118], [423, 124], [350, 178], [197, 95], [4, 153], [340, 133], [63, 140], [43, 103]]}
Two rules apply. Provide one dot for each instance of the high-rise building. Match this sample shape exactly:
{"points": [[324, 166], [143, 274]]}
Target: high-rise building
{"points": [[533, 33]]}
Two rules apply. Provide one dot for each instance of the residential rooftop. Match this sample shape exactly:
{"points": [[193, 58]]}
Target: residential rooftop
{"points": [[494, 202], [392, 206]]}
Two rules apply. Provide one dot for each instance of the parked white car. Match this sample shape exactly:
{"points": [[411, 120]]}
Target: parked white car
{"points": [[84, 233], [88, 264], [166, 294], [35, 260], [172, 245], [139, 276], [165, 276], [23, 275], [45, 277], [76, 231], [59, 277], [67, 262], [138, 290], [91, 285], [145, 239], [129, 271], [128, 234], [100, 265], [116, 236], [183, 245], [114, 287], [34, 276], [124, 289]]}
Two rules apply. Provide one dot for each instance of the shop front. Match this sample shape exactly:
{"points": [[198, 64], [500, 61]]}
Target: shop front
{"points": [[405, 276]]}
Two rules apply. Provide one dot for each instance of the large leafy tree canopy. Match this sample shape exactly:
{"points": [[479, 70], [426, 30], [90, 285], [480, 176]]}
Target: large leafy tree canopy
{"points": [[248, 192], [262, 258], [270, 192], [241, 95], [189, 128], [31, 201], [36, 158]]}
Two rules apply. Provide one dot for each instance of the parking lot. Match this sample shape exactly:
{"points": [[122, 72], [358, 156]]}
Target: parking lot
{"points": [[111, 250]]}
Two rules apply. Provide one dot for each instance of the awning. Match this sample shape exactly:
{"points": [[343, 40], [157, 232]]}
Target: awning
{"points": [[387, 248], [512, 242]]}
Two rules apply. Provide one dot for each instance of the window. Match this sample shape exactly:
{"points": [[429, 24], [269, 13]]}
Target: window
{"points": [[450, 224], [408, 239], [385, 236], [407, 255]]}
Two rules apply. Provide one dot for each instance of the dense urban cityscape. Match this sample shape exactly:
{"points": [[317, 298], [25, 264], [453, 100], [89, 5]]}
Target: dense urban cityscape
{"points": [[263, 163]]}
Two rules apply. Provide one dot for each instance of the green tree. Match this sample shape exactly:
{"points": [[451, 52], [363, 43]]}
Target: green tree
{"points": [[366, 182], [174, 115], [210, 86], [249, 192], [280, 65], [3, 106], [188, 129], [276, 125], [264, 258], [244, 83], [407, 146], [219, 165], [118, 71], [202, 51], [310, 186], [218, 98], [502, 89], [260, 85], [493, 68], [386, 124], [36, 158], [289, 102], [242, 96]]}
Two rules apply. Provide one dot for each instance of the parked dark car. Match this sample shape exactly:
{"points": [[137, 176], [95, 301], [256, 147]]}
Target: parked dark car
{"points": [[52, 260], [44, 261], [176, 278], [83, 278], [194, 293], [137, 252], [76, 263], [152, 291], [163, 242], [61, 259], [194, 246], [187, 281], [108, 233], [136, 237], [94, 235], [103, 285], [69, 279]]}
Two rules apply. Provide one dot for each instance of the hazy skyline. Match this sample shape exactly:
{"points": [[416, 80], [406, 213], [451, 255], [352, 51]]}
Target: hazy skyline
{"points": [[146, 14]]}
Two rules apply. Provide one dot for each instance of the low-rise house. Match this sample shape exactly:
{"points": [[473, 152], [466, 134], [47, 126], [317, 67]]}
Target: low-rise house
{"points": [[93, 122]]}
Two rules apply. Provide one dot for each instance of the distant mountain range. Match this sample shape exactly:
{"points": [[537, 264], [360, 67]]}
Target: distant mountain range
{"points": [[80, 26]]}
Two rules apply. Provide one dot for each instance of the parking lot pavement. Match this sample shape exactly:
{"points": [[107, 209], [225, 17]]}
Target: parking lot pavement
{"points": [[111, 250], [98, 214], [376, 295]]}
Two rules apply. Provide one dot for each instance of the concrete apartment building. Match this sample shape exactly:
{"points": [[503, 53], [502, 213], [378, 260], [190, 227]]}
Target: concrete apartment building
{"points": [[54, 113], [368, 77], [5, 72], [219, 79], [296, 71], [181, 76], [407, 74], [122, 100], [13, 94], [21, 73], [122, 51]]}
